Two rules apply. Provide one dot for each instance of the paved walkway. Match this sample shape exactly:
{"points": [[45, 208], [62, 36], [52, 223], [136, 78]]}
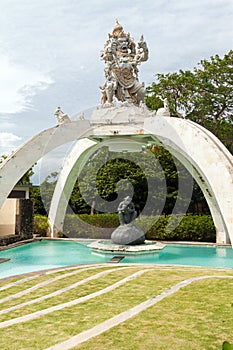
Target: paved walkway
{"points": [[124, 316]]}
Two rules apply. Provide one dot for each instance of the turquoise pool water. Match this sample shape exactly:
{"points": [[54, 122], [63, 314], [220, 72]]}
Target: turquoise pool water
{"points": [[49, 254]]}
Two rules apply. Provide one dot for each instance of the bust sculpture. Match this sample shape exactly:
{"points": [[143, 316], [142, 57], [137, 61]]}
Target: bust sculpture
{"points": [[122, 57]]}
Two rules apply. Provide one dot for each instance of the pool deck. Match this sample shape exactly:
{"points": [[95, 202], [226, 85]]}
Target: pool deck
{"points": [[36, 239], [19, 243]]}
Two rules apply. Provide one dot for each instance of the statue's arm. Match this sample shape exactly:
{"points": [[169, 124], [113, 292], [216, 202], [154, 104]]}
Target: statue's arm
{"points": [[143, 45]]}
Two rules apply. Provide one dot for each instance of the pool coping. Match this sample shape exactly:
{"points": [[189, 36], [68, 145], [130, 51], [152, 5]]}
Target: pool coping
{"points": [[17, 244], [2, 260], [36, 239], [109, 264]]}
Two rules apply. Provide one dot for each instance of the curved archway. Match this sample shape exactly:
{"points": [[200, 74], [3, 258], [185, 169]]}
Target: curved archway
{"points": [[201, 153], [194, 146], [17, 164], [212, 164]]}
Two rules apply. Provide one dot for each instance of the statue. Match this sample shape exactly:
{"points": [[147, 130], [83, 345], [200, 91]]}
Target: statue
{"points": [[121, 72], [164, 111], [126, 211], [61, 117], [127, 233]]}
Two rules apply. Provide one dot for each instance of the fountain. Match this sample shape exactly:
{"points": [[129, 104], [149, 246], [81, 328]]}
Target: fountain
{"points": [[127, 238]]}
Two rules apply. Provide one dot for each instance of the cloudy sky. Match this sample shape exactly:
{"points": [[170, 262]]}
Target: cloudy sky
{"points": [[50, 52]]}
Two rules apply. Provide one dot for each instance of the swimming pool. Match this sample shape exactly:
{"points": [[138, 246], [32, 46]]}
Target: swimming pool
{"points": [[48, 254]]}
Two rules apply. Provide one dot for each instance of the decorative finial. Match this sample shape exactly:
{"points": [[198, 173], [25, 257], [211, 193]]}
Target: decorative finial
{"points": [[117, 30]]}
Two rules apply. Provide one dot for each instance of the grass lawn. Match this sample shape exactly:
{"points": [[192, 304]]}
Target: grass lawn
{"points": [[198, 316]]}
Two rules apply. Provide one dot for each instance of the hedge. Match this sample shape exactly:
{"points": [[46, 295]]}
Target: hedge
{"points": [[189, 228], [170, 228], [41, 225]]}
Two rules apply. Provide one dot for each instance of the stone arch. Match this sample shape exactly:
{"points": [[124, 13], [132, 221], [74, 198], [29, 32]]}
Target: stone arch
{"points": [[198, 149], [17, 164], [210, 162], [65, 184]]}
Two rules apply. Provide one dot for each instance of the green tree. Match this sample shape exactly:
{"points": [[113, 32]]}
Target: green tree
{"points": [[204, 95], [153, 167], [177, 88], [42, 196], [214, 97]]}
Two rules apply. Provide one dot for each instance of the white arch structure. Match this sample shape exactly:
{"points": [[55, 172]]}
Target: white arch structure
{"points": [[17, 164], [199, 150]]}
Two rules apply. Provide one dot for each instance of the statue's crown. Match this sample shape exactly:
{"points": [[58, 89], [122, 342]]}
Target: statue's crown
{"points": [[117, 30]]}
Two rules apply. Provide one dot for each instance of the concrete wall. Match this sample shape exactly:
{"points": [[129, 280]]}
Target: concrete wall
{"points": [[8, 217], [16, 220]]}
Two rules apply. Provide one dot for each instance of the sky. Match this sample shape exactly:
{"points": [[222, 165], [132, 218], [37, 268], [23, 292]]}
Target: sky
{"points": [[50, 52]]}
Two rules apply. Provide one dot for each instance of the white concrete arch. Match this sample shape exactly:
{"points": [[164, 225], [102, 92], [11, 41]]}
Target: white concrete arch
{"points": [[71, 169], [211, 163], [65, 184], [17, 164], [197, 148]]}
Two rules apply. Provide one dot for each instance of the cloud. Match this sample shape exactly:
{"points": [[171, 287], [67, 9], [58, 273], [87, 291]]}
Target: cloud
{"points": [[50, 51], [18, 84], [8, 142]]}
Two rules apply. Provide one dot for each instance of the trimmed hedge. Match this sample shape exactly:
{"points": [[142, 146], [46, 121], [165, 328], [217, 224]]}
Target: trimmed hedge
{"points": [[41, 225], [100, 226], [90, 226], [187, 228]]}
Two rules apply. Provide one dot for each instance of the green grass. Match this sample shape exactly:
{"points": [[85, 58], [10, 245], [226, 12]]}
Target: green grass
{"points": [[198, 316], [72, 294], [38, 279], [47, 289]]}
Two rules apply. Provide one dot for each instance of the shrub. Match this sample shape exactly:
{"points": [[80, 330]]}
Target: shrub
{"points": [[190, 228], [100, 226], [41, 225]]}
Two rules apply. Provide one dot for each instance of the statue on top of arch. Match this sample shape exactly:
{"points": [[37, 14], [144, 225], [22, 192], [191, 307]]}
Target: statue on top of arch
{"points": [[122, 58]]}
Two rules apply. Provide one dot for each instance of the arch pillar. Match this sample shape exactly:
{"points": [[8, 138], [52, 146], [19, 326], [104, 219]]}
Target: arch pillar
{"points": [[65, 184], [211, 163]]}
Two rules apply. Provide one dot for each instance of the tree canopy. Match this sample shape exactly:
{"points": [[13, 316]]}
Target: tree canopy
{"points": [[205, 92], [203, 95]]}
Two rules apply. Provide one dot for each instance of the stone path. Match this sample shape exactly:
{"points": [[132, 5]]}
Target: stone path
{"points": [[70, 303], [124, 316], [58, 292], [44, 283], [49, 272]]}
